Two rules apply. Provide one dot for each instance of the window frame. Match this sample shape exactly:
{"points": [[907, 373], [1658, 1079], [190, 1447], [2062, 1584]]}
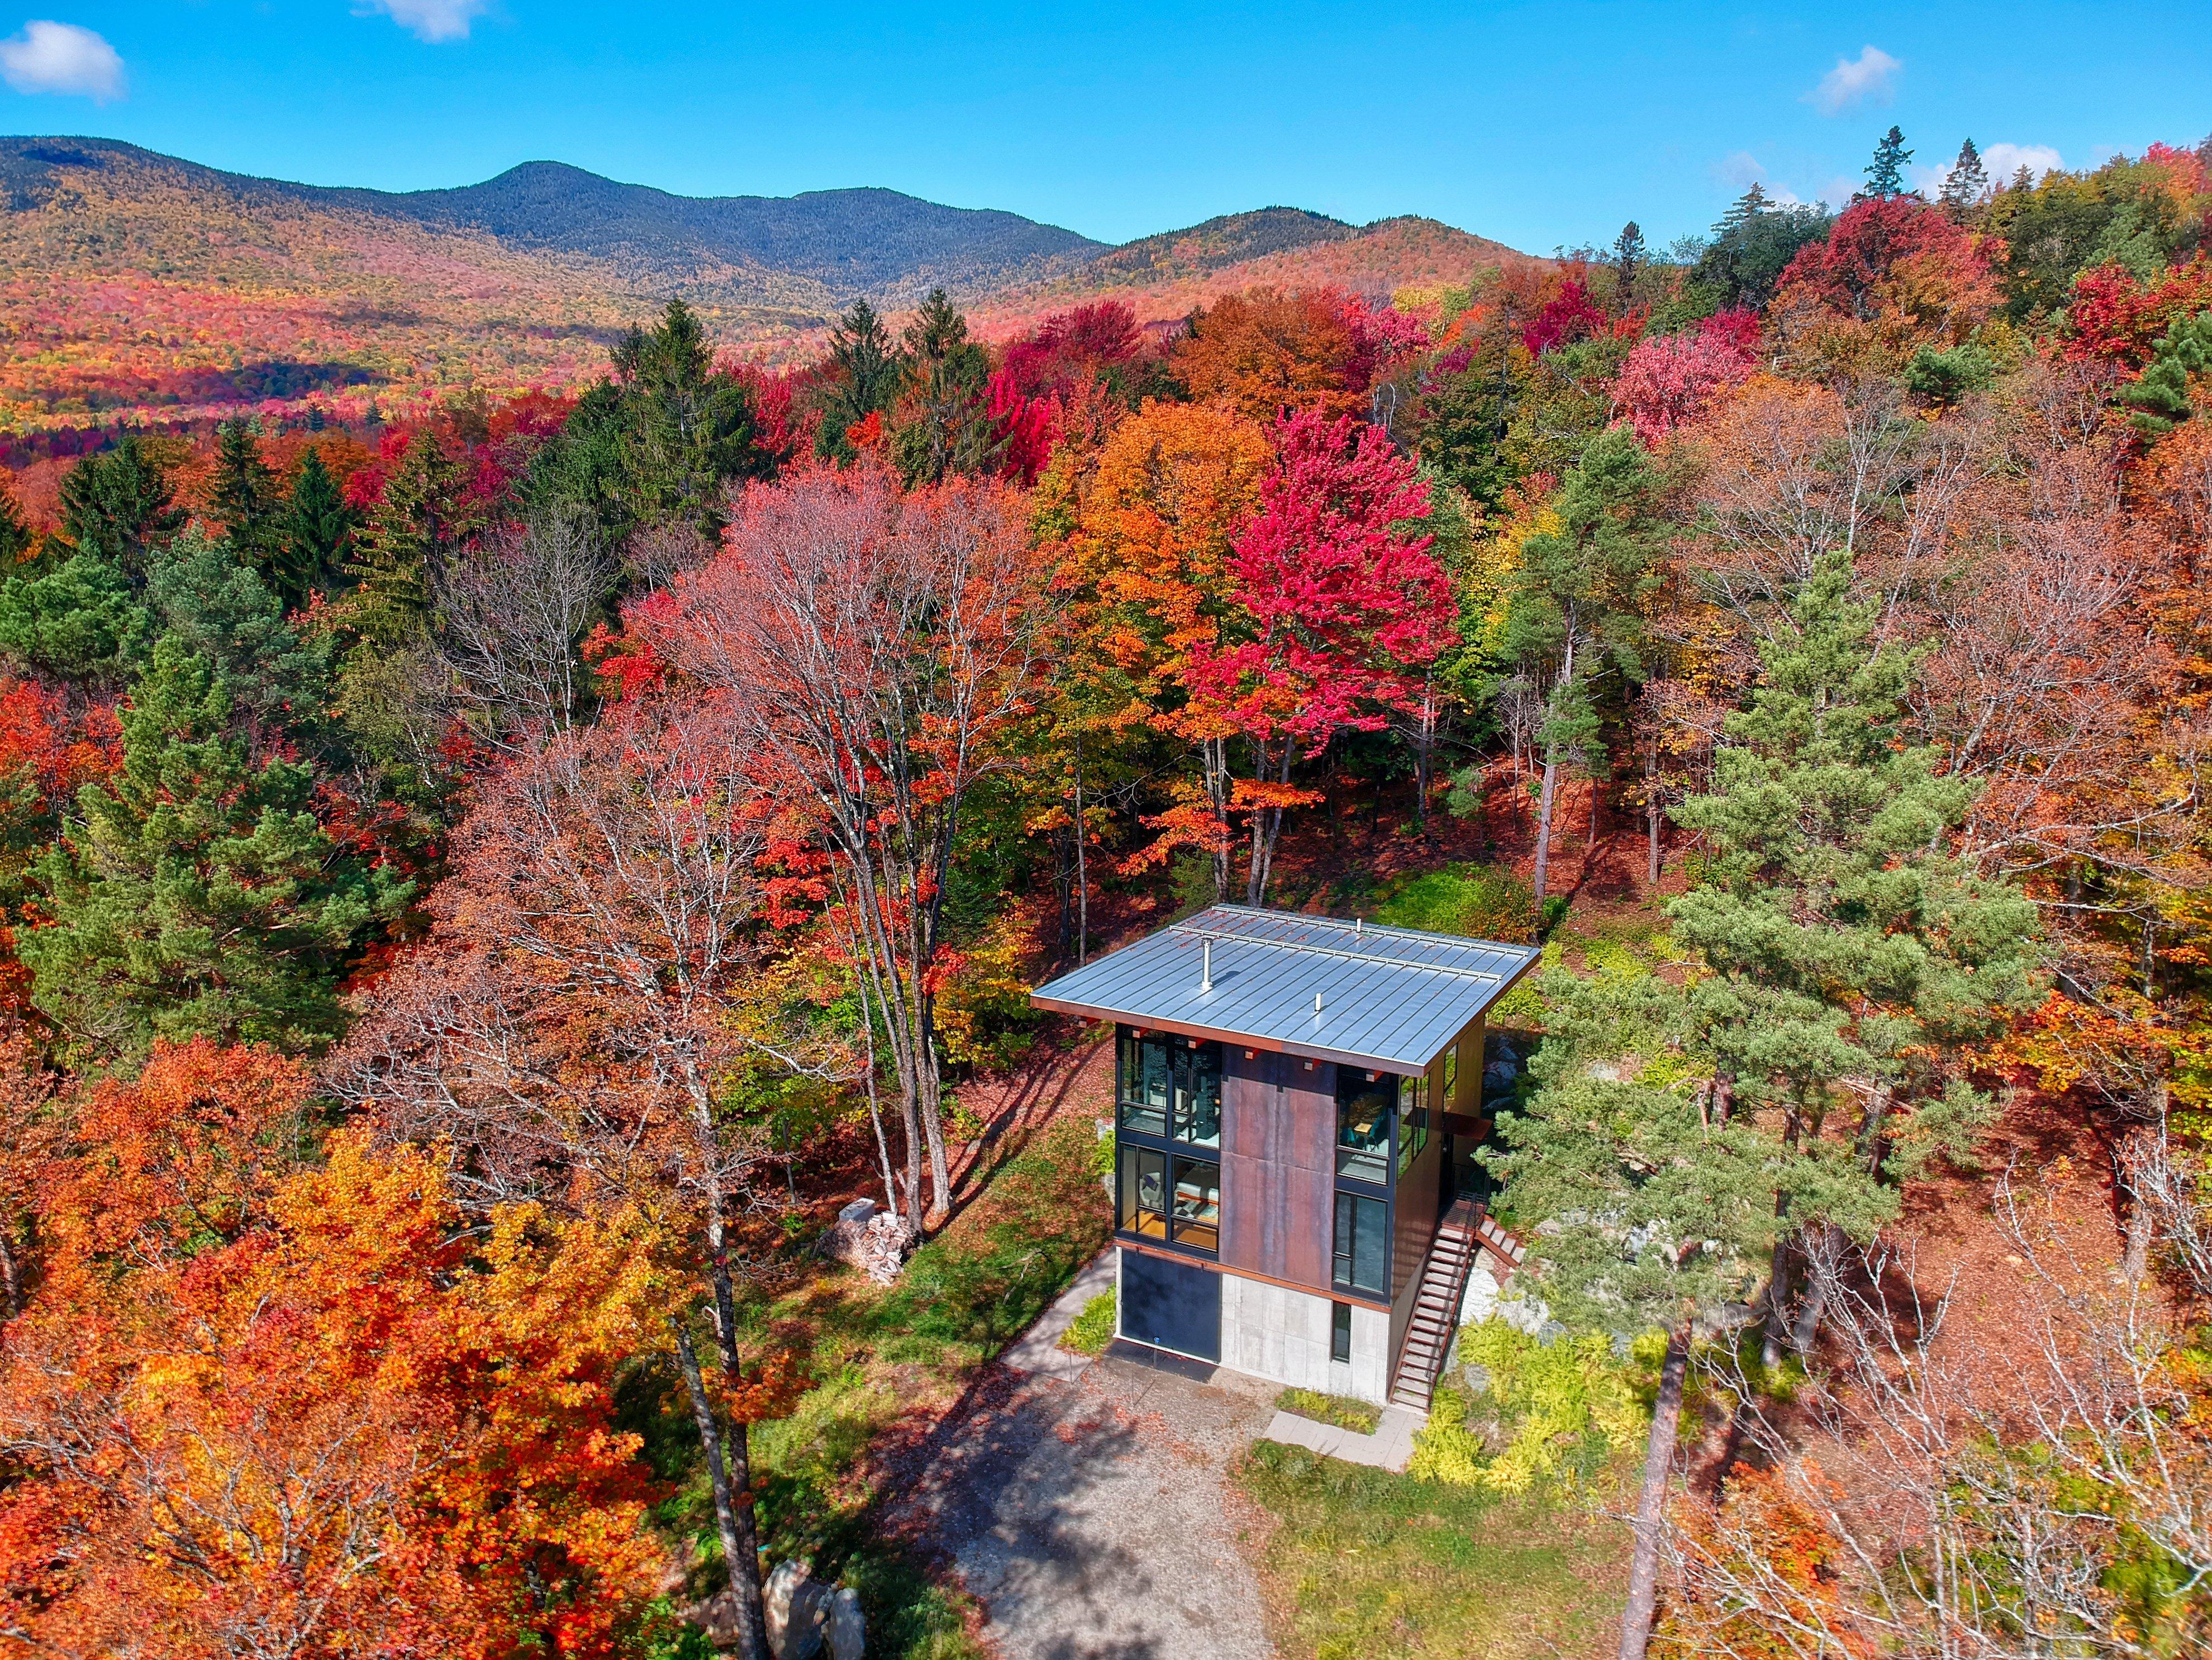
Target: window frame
{"points": [[1192, 1062]]}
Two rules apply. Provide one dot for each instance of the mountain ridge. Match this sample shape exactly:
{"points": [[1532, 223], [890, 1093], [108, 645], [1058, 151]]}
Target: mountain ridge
{"points": [[135, 285]]}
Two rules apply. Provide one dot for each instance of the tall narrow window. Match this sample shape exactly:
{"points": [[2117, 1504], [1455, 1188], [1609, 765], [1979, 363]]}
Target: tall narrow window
{"points": [[1412, 1119], [1363, 1244], [1339, 1331], [1198, 1095], [1142, 1203]]}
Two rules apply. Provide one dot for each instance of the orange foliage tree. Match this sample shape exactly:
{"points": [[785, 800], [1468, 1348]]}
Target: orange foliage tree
{"points": [[254, 1409], [1266, 351]]}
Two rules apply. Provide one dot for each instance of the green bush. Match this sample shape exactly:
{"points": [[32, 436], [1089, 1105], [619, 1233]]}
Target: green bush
{"points": [[1094, 1327], [1360, 1417], [1470, 899], [1550, 1412]]}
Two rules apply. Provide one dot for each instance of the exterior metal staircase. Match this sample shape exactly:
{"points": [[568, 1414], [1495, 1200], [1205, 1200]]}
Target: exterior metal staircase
{"points": [[1436, 1308]]}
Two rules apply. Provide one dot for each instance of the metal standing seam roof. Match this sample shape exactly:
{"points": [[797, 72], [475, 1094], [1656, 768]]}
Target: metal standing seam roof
{"points": [[1389, 997]]}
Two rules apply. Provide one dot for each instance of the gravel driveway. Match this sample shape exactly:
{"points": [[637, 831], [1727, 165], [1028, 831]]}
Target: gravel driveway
{"points": [[1087, 1514]]}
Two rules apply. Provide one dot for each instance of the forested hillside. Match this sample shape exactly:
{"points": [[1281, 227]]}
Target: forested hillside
{"points": [[486, 879], [138, 288]]}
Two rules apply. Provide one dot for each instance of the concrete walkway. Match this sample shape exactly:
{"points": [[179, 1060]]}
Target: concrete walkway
{"points": [[1388, 1449], [1037, 1352]]}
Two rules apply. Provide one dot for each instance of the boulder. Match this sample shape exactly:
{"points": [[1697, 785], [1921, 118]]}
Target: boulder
{"points": [[794, 1600], [845, 1631]]}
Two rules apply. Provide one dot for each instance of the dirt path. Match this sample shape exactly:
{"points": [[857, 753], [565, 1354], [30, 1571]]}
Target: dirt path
{"points": [[1088, 1515]]}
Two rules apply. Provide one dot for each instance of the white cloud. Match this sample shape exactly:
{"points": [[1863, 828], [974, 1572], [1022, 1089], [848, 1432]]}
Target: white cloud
{"points": [[433, 20], [1870, 74], [61, 57], [2002, 161]]}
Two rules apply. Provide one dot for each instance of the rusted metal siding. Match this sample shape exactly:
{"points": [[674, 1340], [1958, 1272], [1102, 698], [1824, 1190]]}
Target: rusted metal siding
{"points": [[1278, 1165]]}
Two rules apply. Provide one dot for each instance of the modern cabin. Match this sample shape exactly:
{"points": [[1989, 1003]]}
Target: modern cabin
{"points": [[1297, 1103]]}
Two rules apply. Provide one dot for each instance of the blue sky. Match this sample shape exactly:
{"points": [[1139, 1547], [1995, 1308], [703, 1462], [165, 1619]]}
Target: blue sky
{"points": [[1541, 125]]}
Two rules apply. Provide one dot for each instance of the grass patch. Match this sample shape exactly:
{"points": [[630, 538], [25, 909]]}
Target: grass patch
{"points": [[878, 1355], [1363, 1563], [1093, 1329], [1475, 900], [1341, 1410]]}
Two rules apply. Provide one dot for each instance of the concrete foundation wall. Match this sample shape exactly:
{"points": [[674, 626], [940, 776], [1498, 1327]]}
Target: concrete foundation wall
{"points": [[1281, 1335]]}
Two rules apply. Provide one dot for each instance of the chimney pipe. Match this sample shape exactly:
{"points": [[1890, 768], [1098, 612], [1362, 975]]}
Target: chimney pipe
{"points": [[1205, 966]]}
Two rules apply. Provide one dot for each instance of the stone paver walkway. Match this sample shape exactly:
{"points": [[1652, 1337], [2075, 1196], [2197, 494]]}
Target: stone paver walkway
{"points": [[1388, 1449]]}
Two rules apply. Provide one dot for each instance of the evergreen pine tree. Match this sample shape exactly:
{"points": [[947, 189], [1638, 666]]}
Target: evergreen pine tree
{"points": [[2159, 400], [1745, 209], [866, 377], [79, 621], [1966, 184], [1655, 1217], [424, 518], [117, 505], [244, 498], [315, 536], [1628, 257], [686, 430], [1853, 961], [944, 425], [16, 538], [1886, 173], [197, 895], [215, 605]]}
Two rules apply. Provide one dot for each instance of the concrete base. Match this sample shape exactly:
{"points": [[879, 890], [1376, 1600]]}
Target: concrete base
{"points": [[1274, 1332]]}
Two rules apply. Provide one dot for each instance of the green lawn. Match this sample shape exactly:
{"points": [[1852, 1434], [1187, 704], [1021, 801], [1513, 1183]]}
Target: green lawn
{"points": [[1362, 1564]]}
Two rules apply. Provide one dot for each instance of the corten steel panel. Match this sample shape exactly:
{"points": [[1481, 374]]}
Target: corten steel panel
{"points": [[1389, 997], [1251, 1166]]}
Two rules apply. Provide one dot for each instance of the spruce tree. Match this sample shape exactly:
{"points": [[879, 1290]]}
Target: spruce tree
{"points": [[16, 538], [315, 536], [1628, 257], [1886, 173], [686, 430], [117, 505], [196, 894], [944, 425], [866, 373], [244, 498], [425, 516], [2160, 400], [1966, 183]]}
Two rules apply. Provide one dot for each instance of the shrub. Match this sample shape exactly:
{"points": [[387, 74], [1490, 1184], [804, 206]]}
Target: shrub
{"points": [[1094, 1327], [1550, 1411], [1345, 1413]]}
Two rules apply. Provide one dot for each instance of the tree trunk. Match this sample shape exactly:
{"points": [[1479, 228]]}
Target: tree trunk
{"points": [[1651, 1500], [1873, 1145], [1544, 801], [733, 1520], [1777, 1324], [1651, 817], [1082, 870], [1816, 1294], [11, 1275]]}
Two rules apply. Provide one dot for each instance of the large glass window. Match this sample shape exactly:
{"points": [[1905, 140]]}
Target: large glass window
{"points": [[1175, 1200], [1198, 1204], [1339, 1331], [1143, 1206], [1412, 1119], [1363, 1244], [1170, 1087], [1365, 1102]]}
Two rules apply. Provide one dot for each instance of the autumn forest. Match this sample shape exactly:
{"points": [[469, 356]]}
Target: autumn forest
{"points": [[485, 876]]}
